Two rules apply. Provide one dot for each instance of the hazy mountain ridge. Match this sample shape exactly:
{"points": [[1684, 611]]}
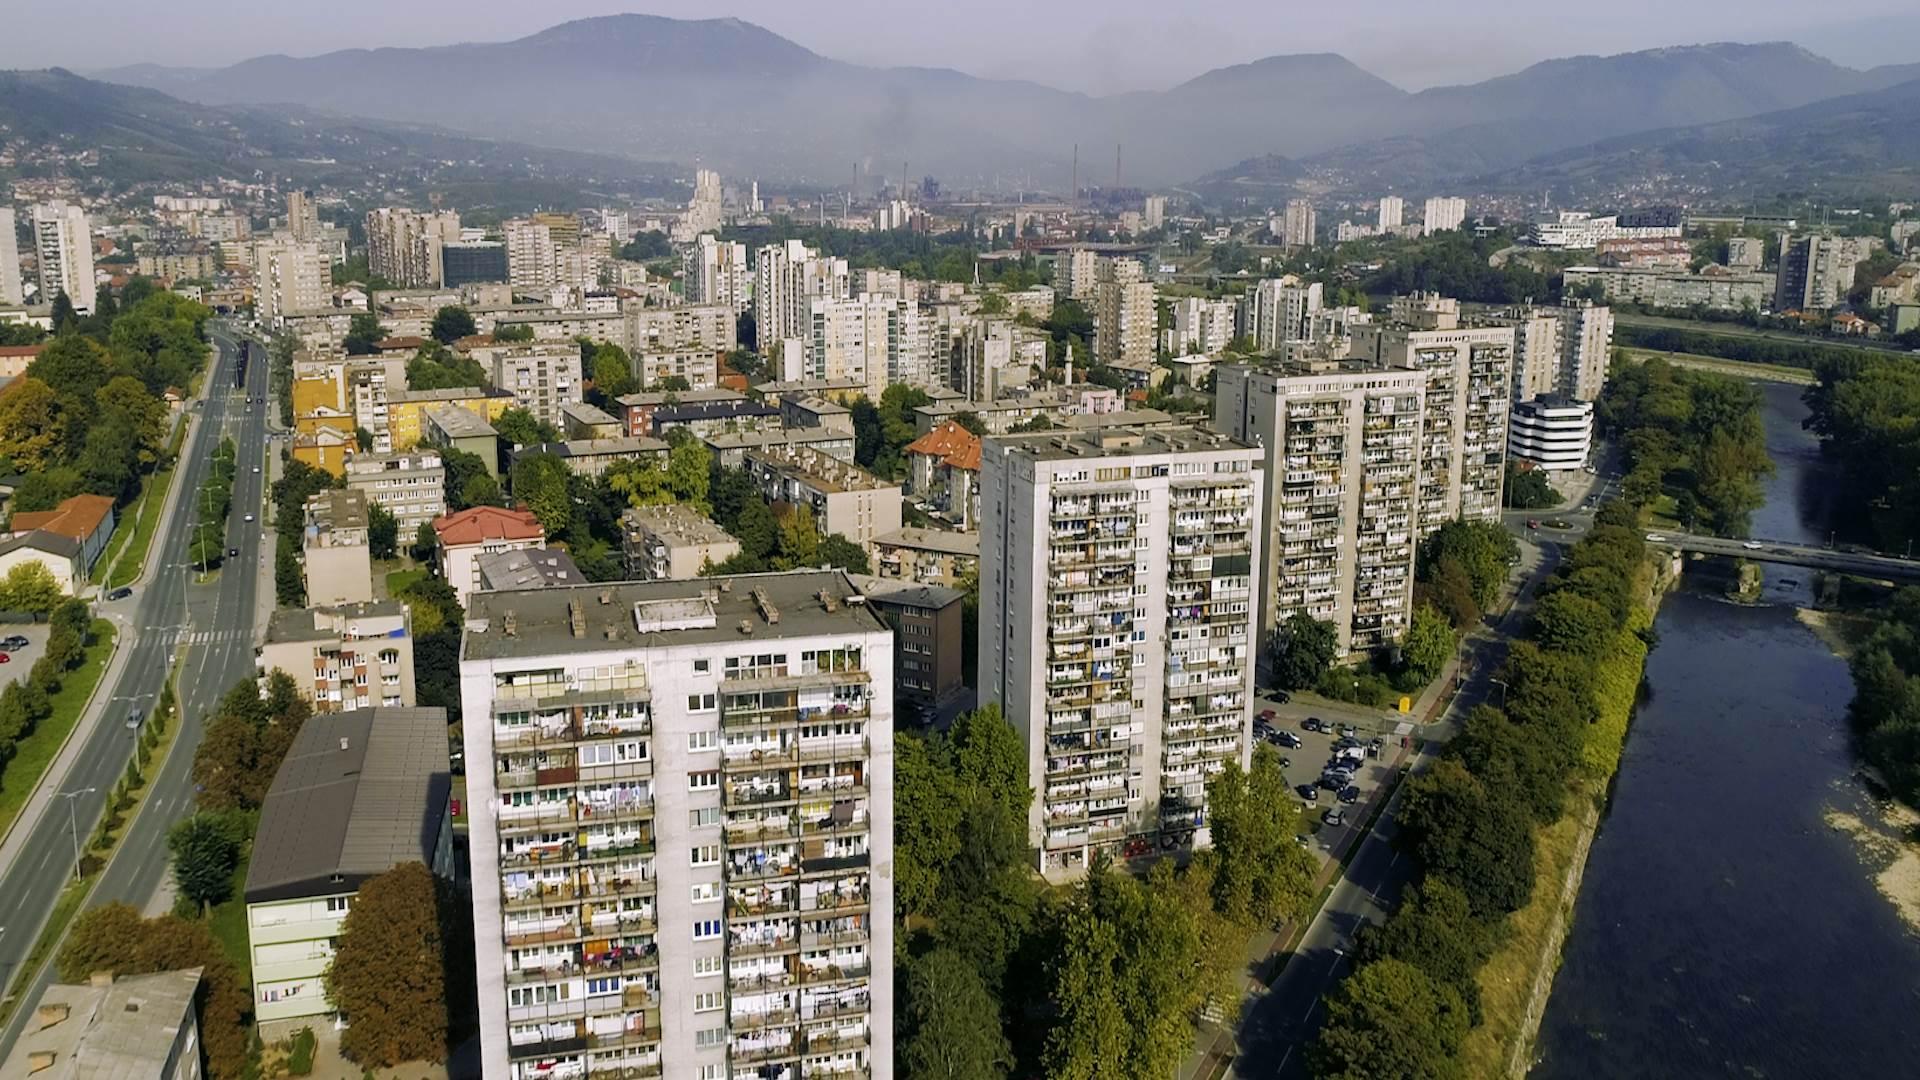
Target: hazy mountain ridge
{"points": [[753, 103]]}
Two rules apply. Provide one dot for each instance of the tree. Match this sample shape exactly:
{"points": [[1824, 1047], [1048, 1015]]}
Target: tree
{"points": [[513, 332], [387, 976], [31, 587], [1484, 549], [952, 1028], [223, 761], [65, 316], [689, 470], [1476, 837], [383, 532], [1566, 621], [33, 430], [289, 577], [1429, 643], [363, 439], [450, 324], [799, 540], [1304, 648], [837, 550], [1389, 1018], [1528, 489], [540, 483], [612, 372], [425, 543], [971, 422], [1260, 875], [206, 850], [364, 332], [1435, 931], [673, 384], [463, 469], [521, 428]]}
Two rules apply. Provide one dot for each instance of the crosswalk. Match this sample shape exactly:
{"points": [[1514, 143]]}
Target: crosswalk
{"points": [[170, 636]]}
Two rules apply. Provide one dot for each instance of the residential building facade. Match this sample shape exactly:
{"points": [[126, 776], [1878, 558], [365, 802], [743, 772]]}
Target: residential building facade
{"points": [[63, 242], [672, 542], [353, 656], [410, 485]]}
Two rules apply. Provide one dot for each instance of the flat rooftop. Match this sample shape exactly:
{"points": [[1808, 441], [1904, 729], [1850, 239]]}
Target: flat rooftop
{"points": [[1117, 442], [678, 523], [816, 468], [906, 593], [359, 793], [125, 1030], [618, 616], [940, 540], [747, 440], [299, 624], [458, 423]]}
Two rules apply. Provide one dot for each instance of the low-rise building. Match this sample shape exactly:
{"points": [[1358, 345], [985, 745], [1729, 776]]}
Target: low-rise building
{"points": [[929, 555], [844, 498], [672, 542], [449, 427], [406, 409], [1553, 433], [338, 560], [636, 410], [59, 554], [87, 520], [699, 367], [841, 391], [815, 412], [411, 485], [353, 656], [355, 797], [326, 448], [528, 568], [584, 421], [480, 530], [929, 640], [730, 447], [709, 417], [944, 473], [591, 457], [1715, 288], [137, 1027]]}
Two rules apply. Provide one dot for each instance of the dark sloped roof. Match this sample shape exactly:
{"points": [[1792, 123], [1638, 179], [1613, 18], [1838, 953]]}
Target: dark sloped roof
{"points": [[338, 814]]}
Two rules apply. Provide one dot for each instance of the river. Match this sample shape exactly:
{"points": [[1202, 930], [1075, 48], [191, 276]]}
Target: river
{"points": [[1725, 926]]}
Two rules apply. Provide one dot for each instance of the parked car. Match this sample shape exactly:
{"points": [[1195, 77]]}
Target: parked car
{"points": [[6, 658], [1349, 794], [1267, 716], [1335, 780], [1348, 731], [1333, 816], [1305, 791], [1282, 696], [1313, 723], [121, 593], [12, 642], [1287, 739]]}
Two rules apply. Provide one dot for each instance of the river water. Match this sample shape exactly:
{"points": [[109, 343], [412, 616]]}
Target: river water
{"points": [[1726, 928]]}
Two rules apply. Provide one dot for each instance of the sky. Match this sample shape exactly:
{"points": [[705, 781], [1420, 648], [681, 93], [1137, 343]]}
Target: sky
{"points": [[1094, 46]]}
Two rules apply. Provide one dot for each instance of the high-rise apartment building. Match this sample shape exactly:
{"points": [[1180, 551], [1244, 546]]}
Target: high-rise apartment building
{"points": [[403, 246], [1463, 432], [289, 276], [1341, 454], [1816, 272], [1301, 223], [530, 254], [64, 242], [1125, 319], [876, 339], [1444, 213], [1560, 351], [543, 379], [706, 211], [788, 278], [1117, 589], [717, 273], [682, 828], [1201, 325], [303, 216], [1392, 209], [1278, 310], [1074, 273], [1154, 215], [12, 290]]}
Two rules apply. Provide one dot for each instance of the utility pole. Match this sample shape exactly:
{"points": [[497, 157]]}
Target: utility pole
{"points": [[74, 823]]}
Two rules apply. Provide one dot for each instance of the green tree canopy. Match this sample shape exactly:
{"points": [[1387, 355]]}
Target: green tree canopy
{"points": [[450, 324], [1303, 648], [387, 974], [1390, 1018]]}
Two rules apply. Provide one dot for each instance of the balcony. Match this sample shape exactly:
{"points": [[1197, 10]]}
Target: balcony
{"points": [[757, 831], [761, 1051]]}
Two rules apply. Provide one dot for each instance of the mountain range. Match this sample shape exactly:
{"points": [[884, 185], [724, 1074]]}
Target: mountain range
{"points": [[733, 95]]}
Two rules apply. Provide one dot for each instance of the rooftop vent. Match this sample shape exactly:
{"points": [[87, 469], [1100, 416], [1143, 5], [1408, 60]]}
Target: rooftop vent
{"points": [[509, 625], [765, 603], [343, 744], [577, 618], [827, 600], [46, 1016], [606, 596], [746, 626]]}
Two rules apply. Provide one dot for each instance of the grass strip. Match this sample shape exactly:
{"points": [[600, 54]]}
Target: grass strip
{"points": [[33, 754]]}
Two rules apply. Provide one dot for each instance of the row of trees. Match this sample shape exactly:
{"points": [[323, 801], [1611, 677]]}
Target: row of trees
{"points": [[87, 415], [1001, 977], [1692, 434], [1751, 348], [1866, 410], [246, 739], [1886, 700], [211, 506], [1471, 820], [298, 482], [26, 703]]}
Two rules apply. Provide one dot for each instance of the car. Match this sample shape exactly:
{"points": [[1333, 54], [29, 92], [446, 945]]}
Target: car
{"points": [[1286, 762], [1282, 696], [1656, 538], [1288, 739], [1559, 523], [256, 468], [1313, 723], [1348, 731], [133, 721], [1334, 781], [1308, 792], [1533, 523], [1751, 545], [1333, 816], [14, 641], [1267, 716], [1349, 794], [121, 593], [6, 658], [249, 518], [233, 553]]}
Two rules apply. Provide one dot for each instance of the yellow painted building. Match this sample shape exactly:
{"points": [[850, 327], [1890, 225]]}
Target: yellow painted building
{"points": [[406, 409], [326, 448]]}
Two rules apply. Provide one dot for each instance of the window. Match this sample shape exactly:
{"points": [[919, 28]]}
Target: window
{"points": [[704, 966], [710, 1072], [706, 892], [706, 855], [701, 702], [703, 666], [706, 1001], [609, 985], [704, 819], [339, 903], [706, 929], [703, 781], [700, 740]]}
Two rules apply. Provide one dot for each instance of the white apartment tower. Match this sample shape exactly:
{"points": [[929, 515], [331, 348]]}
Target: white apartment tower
{"points": [[1301, 223], [1341, 452], [289, 276], [1561, 351], [1278, 310], [403, 246], [1074, 273], [1154, 215], [303, 215], [788, 278], [1201, 326], [1444, 213], [12, 291], [717, 273], [1125, 319], [877, 339], [1117, 584], [1392, 209], [64, 242], [530, 254], [706, 211], [682, 829]]}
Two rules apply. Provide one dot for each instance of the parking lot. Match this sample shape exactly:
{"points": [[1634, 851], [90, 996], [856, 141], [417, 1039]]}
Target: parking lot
{"points": [[20, 661], [1306, 761]]}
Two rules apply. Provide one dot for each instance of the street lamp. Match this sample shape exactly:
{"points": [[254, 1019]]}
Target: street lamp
{"points": [[1502, 684], [74, 823]]}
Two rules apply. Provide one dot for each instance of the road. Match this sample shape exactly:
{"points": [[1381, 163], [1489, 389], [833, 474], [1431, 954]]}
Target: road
{"points": [[210, 625], [1787, 337], [1774, 551]]}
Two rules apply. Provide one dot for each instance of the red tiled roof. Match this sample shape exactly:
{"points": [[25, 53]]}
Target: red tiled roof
{"points": [[21, 350], [76, 519], [482, 523], [955, 446]]}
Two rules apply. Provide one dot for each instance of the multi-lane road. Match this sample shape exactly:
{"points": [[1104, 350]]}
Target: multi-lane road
{"points": [[208, 626]]}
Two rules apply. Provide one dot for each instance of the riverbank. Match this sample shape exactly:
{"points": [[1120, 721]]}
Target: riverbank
{"points": [[1517, 980]]}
